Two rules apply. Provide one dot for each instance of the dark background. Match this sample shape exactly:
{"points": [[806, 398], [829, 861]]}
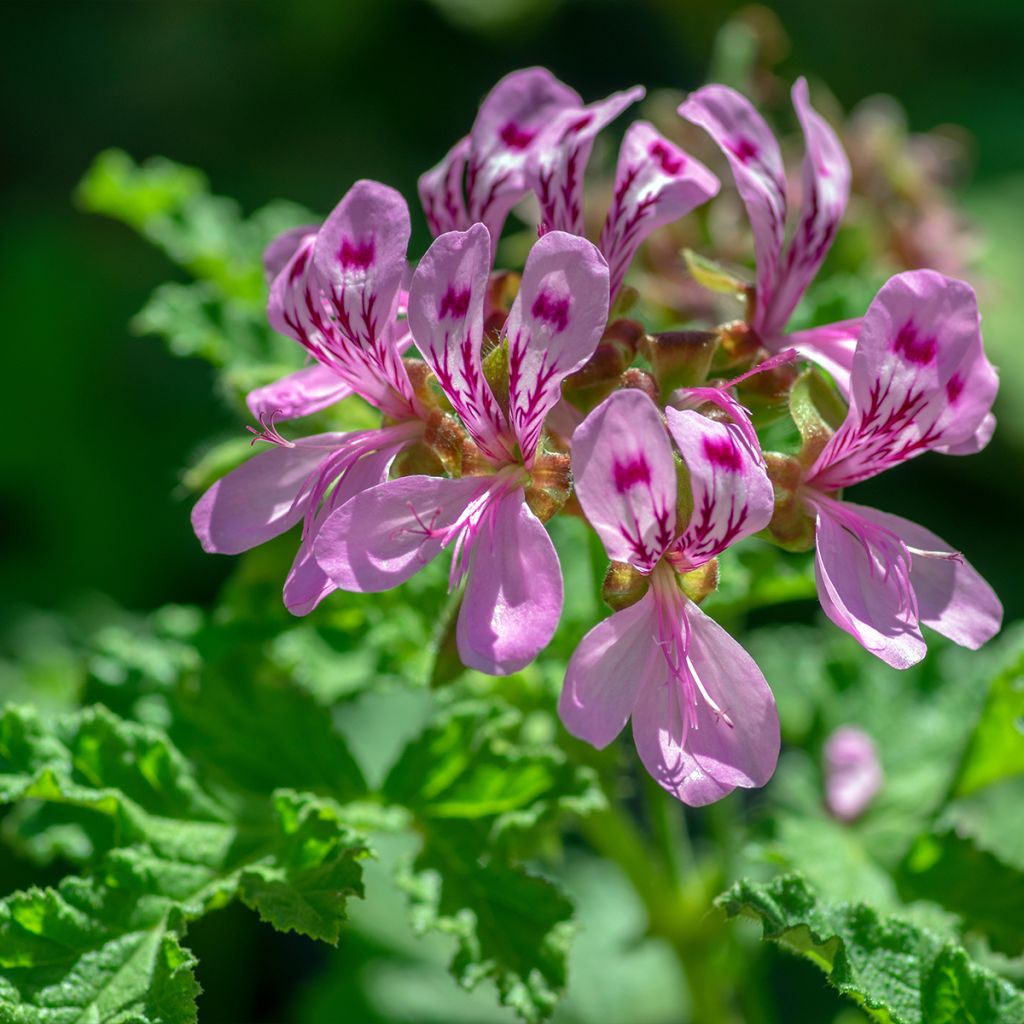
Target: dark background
{"points": [[298, 99]]}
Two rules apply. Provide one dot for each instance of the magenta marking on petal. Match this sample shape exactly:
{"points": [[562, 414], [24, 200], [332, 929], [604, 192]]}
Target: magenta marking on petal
{"points": [[631, 474], [577, 126], [670, 163], [299, 264], [454, 303], [723, 453], [552, 309], [357, 255], [954, 387], [915, 349], [743, 149], [515, 137]]}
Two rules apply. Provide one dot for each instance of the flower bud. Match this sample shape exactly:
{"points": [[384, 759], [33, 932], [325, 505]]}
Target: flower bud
{"points": [[495, 365], [791, 527], [634, 377], [445, 437], [623, 586], [738, 344], [853, 772], [679, 359], [699, 583], [817, 411], [550, 484]]}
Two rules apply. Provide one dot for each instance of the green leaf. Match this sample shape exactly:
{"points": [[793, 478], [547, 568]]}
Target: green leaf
{"points": [[986, 893], [162, 848], [899, 972], [479, 793], [304, 888], [85, 953], [996, 751], [511, 926]]}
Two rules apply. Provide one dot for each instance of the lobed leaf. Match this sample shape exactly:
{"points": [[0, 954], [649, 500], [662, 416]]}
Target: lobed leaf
{"points": [[901, 973]]}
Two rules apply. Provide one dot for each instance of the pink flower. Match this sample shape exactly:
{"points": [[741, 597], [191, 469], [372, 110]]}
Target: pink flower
{"points": [[380, 538], [784, 272], [335, 290], [920, 382], [484, 174], [704, 719], [535, 132], [853, 772]]}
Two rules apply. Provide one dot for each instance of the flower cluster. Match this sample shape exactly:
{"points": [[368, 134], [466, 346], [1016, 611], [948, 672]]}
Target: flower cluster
{"points": [[534, 395]]}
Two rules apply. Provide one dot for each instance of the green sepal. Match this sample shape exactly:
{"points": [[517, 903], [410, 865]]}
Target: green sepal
{"points": [[817, 410]]}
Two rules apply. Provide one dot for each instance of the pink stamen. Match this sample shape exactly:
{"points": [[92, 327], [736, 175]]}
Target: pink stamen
{"points": [[269, 433]]}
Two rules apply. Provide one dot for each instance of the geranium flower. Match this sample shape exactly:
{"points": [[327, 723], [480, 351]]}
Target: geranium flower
{"points": [[920, 382], [656, 182], [380, 538], [784, 271], [336, 292], [704, 719], [483, 175]]}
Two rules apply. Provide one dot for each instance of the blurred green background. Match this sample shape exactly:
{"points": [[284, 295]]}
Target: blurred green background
{"points": [[298, 100]]}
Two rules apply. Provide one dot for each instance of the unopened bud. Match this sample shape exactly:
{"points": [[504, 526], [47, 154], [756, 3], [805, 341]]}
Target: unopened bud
{"points": [[817, 411], [550, 484], [738, 344], [623, 586], [418, 460], [680, 359], [791, 527], [713, 276], [495, 365], [853, 772], [445, 437], [640, 380], [424, 384], [699, 583], [593, 382]]}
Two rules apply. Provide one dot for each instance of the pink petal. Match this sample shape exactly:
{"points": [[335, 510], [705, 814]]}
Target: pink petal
{"points": [[656, 183], [606, 671], [441, 191], [826, 189], [737, 745], [732, 495], [853, 772], [952, 597], [503, 136], [560, 159], [626, 478], [864, 584], [298, 308], [282, 248], [307, 584], [258, 500], [554, 326], [446, 301], [756, 162], [299, 394], [513, 597], [359, 262], [386, 534], [920, 379], [831, 346]]}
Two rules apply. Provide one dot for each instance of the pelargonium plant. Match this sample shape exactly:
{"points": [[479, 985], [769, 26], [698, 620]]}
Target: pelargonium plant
{"points": [[518, 495], [509, 397]]}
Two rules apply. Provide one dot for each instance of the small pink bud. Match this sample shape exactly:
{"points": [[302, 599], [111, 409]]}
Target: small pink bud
{"points": [[853, 773]]}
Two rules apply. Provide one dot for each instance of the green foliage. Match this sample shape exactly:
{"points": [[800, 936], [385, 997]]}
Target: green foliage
{"points": [[899, 972], [220, 315]]}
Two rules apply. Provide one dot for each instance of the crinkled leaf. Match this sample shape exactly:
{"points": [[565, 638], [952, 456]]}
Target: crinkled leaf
{"points": [[83, 952], [511, 926], [899, 972]]}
